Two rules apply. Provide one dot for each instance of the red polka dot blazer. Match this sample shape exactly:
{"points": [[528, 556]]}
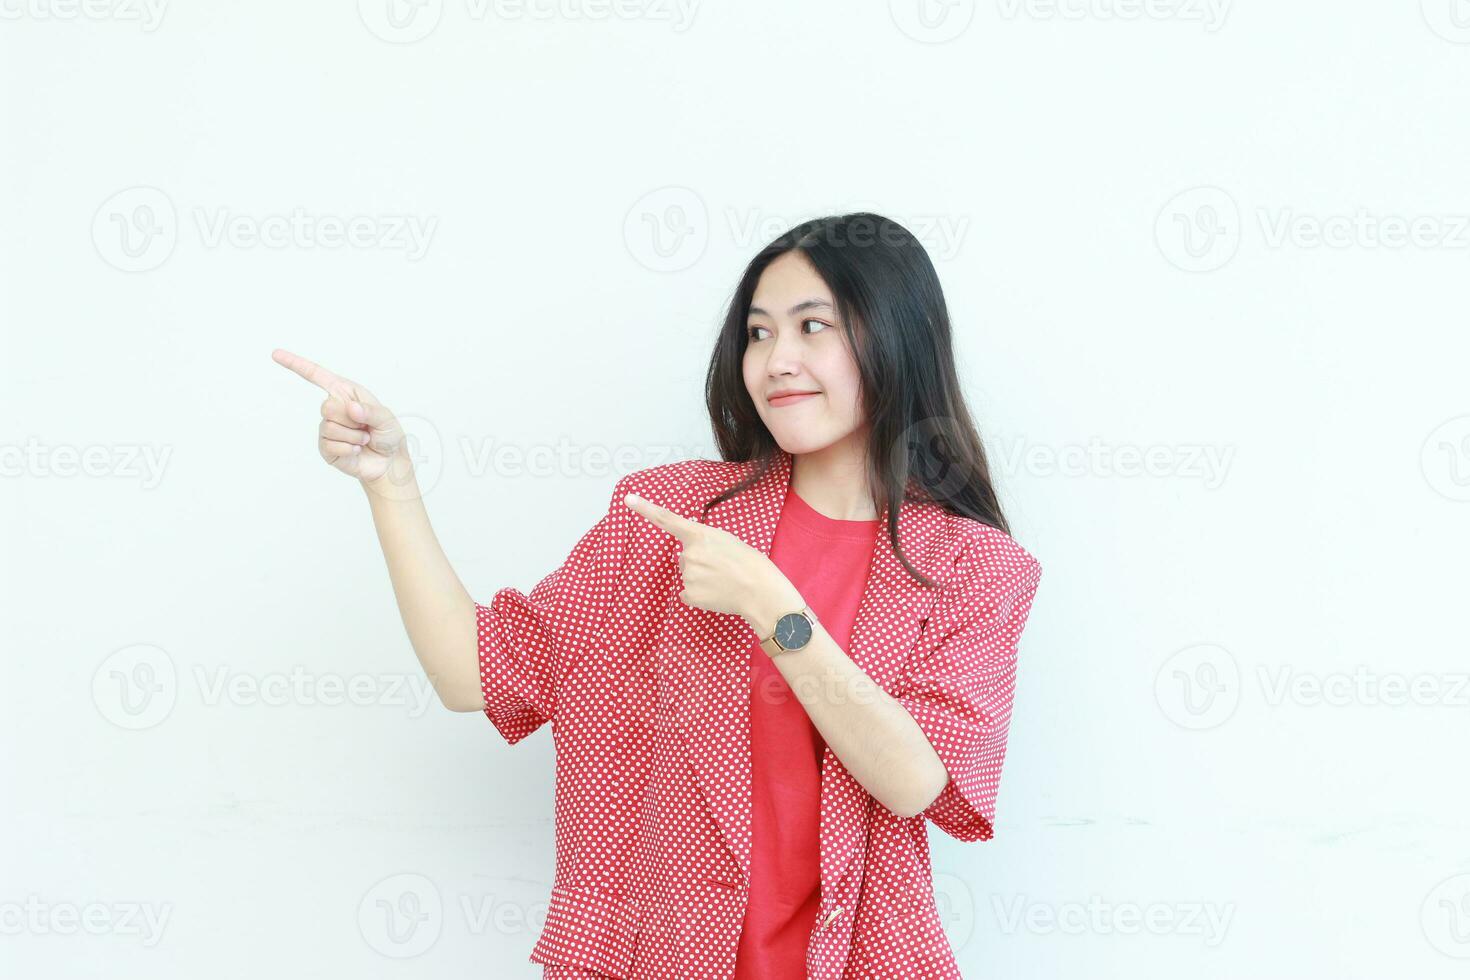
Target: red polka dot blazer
{"points": [[648, 700]]}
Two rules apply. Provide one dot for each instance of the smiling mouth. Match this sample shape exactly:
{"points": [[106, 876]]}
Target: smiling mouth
{"points": [[792, 398]]}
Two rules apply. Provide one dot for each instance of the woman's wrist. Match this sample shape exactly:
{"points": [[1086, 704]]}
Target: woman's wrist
{"points": [[768, 603], [398, 482]]}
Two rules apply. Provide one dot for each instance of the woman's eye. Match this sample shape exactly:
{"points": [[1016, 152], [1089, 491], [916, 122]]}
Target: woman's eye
{"points": [[753, 335]]}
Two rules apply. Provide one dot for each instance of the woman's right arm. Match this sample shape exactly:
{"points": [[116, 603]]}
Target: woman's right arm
{"points": [[360, 437]]}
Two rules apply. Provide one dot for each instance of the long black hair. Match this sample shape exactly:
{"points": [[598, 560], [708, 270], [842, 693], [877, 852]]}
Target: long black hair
{"points": [[922, 443]]}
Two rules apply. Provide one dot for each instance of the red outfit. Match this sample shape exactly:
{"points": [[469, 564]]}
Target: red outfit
{"points": [[648, 700], [827, 561]]}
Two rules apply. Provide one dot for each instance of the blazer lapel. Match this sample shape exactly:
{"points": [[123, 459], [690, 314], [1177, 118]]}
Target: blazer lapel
{"points": [[704, 667]]}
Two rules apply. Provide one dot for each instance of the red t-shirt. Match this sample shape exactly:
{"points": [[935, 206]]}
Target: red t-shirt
{"points": [[827, 560]]}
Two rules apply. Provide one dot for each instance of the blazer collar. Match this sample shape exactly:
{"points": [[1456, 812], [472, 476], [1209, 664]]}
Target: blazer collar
{"points": [[704, 663]]}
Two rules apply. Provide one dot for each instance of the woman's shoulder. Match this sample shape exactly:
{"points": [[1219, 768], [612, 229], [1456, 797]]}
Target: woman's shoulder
{"points": [[986, 548], [683, 478]]}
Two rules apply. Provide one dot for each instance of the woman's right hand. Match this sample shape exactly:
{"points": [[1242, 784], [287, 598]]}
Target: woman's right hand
{"points": [[357, 435], [363, 439]]}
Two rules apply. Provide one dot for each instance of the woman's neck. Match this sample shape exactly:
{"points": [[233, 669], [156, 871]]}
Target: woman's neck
{"points": [[834, 482]]}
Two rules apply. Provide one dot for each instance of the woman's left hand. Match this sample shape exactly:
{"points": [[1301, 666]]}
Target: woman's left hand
{"points": [[721, 573]]}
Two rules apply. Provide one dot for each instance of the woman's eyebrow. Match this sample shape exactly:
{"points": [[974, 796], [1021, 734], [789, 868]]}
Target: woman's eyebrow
{"points": [[808, 304]]}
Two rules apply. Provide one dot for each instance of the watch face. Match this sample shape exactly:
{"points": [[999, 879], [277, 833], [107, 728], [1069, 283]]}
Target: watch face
{"points": [[793, 631]]}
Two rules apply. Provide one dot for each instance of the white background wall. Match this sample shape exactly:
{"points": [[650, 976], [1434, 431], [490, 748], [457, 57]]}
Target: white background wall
{"points": [[1228, 240]]}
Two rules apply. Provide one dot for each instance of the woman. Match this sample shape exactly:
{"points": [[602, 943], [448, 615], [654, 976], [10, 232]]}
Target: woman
{"points": [[764, 673]]}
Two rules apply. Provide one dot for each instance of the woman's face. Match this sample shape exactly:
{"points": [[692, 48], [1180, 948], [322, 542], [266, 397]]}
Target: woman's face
{"points": [[796, 343]]}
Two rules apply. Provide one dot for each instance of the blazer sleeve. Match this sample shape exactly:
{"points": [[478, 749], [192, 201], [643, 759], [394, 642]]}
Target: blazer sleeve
{"points": [[959, 686], [529, 643]]}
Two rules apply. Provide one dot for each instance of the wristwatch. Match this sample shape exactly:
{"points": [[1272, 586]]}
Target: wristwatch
{"points": [[793, 631]]}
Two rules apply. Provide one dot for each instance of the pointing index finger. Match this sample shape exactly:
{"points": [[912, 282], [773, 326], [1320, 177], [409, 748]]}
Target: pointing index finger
{"points": [[310, 370], [679, 527]]}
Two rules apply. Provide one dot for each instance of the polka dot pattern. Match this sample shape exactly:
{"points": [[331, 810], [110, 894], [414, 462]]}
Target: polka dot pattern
{"points": [[648, 700]]}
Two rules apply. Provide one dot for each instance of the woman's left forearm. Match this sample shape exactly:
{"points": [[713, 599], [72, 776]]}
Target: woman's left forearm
{"points": [[871, 733]]}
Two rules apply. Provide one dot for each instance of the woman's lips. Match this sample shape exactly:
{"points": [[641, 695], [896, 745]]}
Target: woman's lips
{"points": [[782, 400]]}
